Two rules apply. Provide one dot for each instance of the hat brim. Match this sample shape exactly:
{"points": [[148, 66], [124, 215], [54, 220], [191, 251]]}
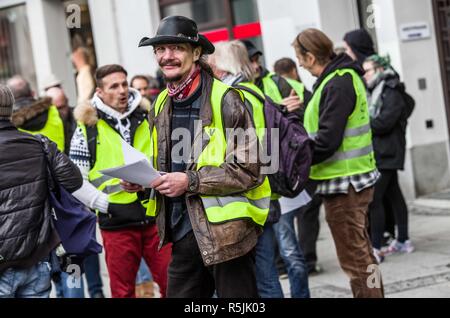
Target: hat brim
{"points": [[253, 52], [208, 47]]}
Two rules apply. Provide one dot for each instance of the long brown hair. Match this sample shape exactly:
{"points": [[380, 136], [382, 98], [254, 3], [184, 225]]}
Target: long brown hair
{"points": [[315, 42]]}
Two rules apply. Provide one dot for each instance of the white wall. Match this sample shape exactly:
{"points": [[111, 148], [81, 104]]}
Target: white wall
{"points": [[118, 26], [50, 42], [337, 17], [282, 20]]}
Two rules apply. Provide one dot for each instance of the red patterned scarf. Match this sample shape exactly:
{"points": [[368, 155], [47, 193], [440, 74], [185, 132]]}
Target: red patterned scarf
{"points": [[182, 91]]}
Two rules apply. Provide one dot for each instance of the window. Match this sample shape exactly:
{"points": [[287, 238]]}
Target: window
{"points": [[15, 45], [219, 20]]}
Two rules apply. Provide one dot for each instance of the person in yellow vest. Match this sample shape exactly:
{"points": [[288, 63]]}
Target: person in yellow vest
{"points": [[287, 69], [115, 115], [35, 116], [212, 202], [278, 88], [337, 118], [307, 217], [231, 65]]}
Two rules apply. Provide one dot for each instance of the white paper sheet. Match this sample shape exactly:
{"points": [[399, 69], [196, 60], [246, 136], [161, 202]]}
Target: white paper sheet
{"points": [[289, 205], [137, 168]]}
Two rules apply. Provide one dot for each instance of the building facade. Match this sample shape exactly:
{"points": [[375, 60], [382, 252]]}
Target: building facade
{"points": [[38, 36]]}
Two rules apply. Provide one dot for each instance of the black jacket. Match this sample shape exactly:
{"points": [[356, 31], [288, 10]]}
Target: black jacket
{"points": [[337, 103], [389, 127], [26, 234]]}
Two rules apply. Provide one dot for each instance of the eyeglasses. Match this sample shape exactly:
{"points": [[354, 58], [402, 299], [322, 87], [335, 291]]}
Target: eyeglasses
{"points": [[302, 47], [175, 48]]}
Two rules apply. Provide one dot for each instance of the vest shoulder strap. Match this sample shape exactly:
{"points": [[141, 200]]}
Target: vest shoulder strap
{"points": [[92, 133]]}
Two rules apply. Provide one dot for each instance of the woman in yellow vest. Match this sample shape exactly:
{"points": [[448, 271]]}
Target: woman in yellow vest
{"points": [[337, 118]]}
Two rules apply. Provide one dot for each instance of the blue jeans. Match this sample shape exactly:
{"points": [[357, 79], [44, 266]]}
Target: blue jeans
{"points": [[144, 275], [34, 282], [93, 277], [292, 255], [266, 270]]}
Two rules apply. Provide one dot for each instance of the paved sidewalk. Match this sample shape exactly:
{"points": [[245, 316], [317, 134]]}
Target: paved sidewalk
{"points": [[422, 274]]}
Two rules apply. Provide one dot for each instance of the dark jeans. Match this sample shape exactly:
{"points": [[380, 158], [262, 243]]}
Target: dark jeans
{"points": [[188, 277], [93, 276], [308, 224], [388, 193]]}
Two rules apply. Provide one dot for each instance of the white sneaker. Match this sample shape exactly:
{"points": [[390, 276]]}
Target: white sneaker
{"points": [[379, 255], [397, 247]]}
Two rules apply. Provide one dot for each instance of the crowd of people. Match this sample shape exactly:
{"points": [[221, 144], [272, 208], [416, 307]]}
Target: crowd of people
{"points": [[209, 226]]}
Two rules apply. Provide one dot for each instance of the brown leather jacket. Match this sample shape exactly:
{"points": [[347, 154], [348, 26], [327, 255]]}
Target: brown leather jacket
{"points": [[217, 242]]}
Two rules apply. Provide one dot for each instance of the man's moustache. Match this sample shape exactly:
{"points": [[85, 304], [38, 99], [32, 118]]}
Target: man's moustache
{"points": [[169, 64]]}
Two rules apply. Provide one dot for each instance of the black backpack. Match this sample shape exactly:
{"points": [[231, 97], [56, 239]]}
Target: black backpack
{"points": [[409, 101]]}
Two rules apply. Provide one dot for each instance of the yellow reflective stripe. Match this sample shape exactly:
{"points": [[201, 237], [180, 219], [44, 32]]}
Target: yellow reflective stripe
{"points": [[237, 211], [99, 181], [113, 189], [351, 132], [209, 202], [351, 154]]}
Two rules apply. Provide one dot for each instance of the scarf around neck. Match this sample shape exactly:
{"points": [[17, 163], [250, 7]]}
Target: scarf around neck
{"points": [[376, 88], [121, 121]]}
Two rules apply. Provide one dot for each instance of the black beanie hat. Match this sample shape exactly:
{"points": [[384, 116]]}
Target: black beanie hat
{"points": [[361, 44]]}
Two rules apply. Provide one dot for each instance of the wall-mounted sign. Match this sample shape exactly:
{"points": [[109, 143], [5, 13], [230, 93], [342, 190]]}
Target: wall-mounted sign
{"points": [[415, 31]]}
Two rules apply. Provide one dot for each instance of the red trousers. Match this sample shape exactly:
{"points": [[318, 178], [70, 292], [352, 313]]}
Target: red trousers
{"points": [[124, 250]]}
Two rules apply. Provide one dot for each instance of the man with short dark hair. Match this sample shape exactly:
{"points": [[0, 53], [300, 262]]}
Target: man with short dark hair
{"points": [[278, 88], [128, 233]]}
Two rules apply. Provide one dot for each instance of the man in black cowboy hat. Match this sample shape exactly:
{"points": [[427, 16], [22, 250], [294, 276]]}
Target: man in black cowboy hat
{"points": [[201, 203]]}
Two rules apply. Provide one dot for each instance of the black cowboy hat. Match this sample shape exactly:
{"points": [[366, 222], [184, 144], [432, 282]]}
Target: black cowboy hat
{"points": [[178, 29]]}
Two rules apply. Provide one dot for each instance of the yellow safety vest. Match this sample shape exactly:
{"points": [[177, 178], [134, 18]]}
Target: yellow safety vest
{"points": [[53, 129], [355, 155], [109, 155], [253, 204], [271, 89]]}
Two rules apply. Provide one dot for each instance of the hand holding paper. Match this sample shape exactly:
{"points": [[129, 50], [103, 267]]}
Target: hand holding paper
{"points": [[137, 169]]}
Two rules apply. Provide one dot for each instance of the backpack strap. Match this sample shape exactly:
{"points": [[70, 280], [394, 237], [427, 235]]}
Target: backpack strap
{"points": [[92, 133], [280, 107], [251, 91]]}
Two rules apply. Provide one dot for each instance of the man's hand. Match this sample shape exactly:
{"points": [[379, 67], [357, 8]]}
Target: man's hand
{"points": [[293, 102], [172, 185], [131, 187]]}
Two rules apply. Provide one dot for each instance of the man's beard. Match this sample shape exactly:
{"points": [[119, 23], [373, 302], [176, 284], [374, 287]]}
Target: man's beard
{"points": [[173, 79]]}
